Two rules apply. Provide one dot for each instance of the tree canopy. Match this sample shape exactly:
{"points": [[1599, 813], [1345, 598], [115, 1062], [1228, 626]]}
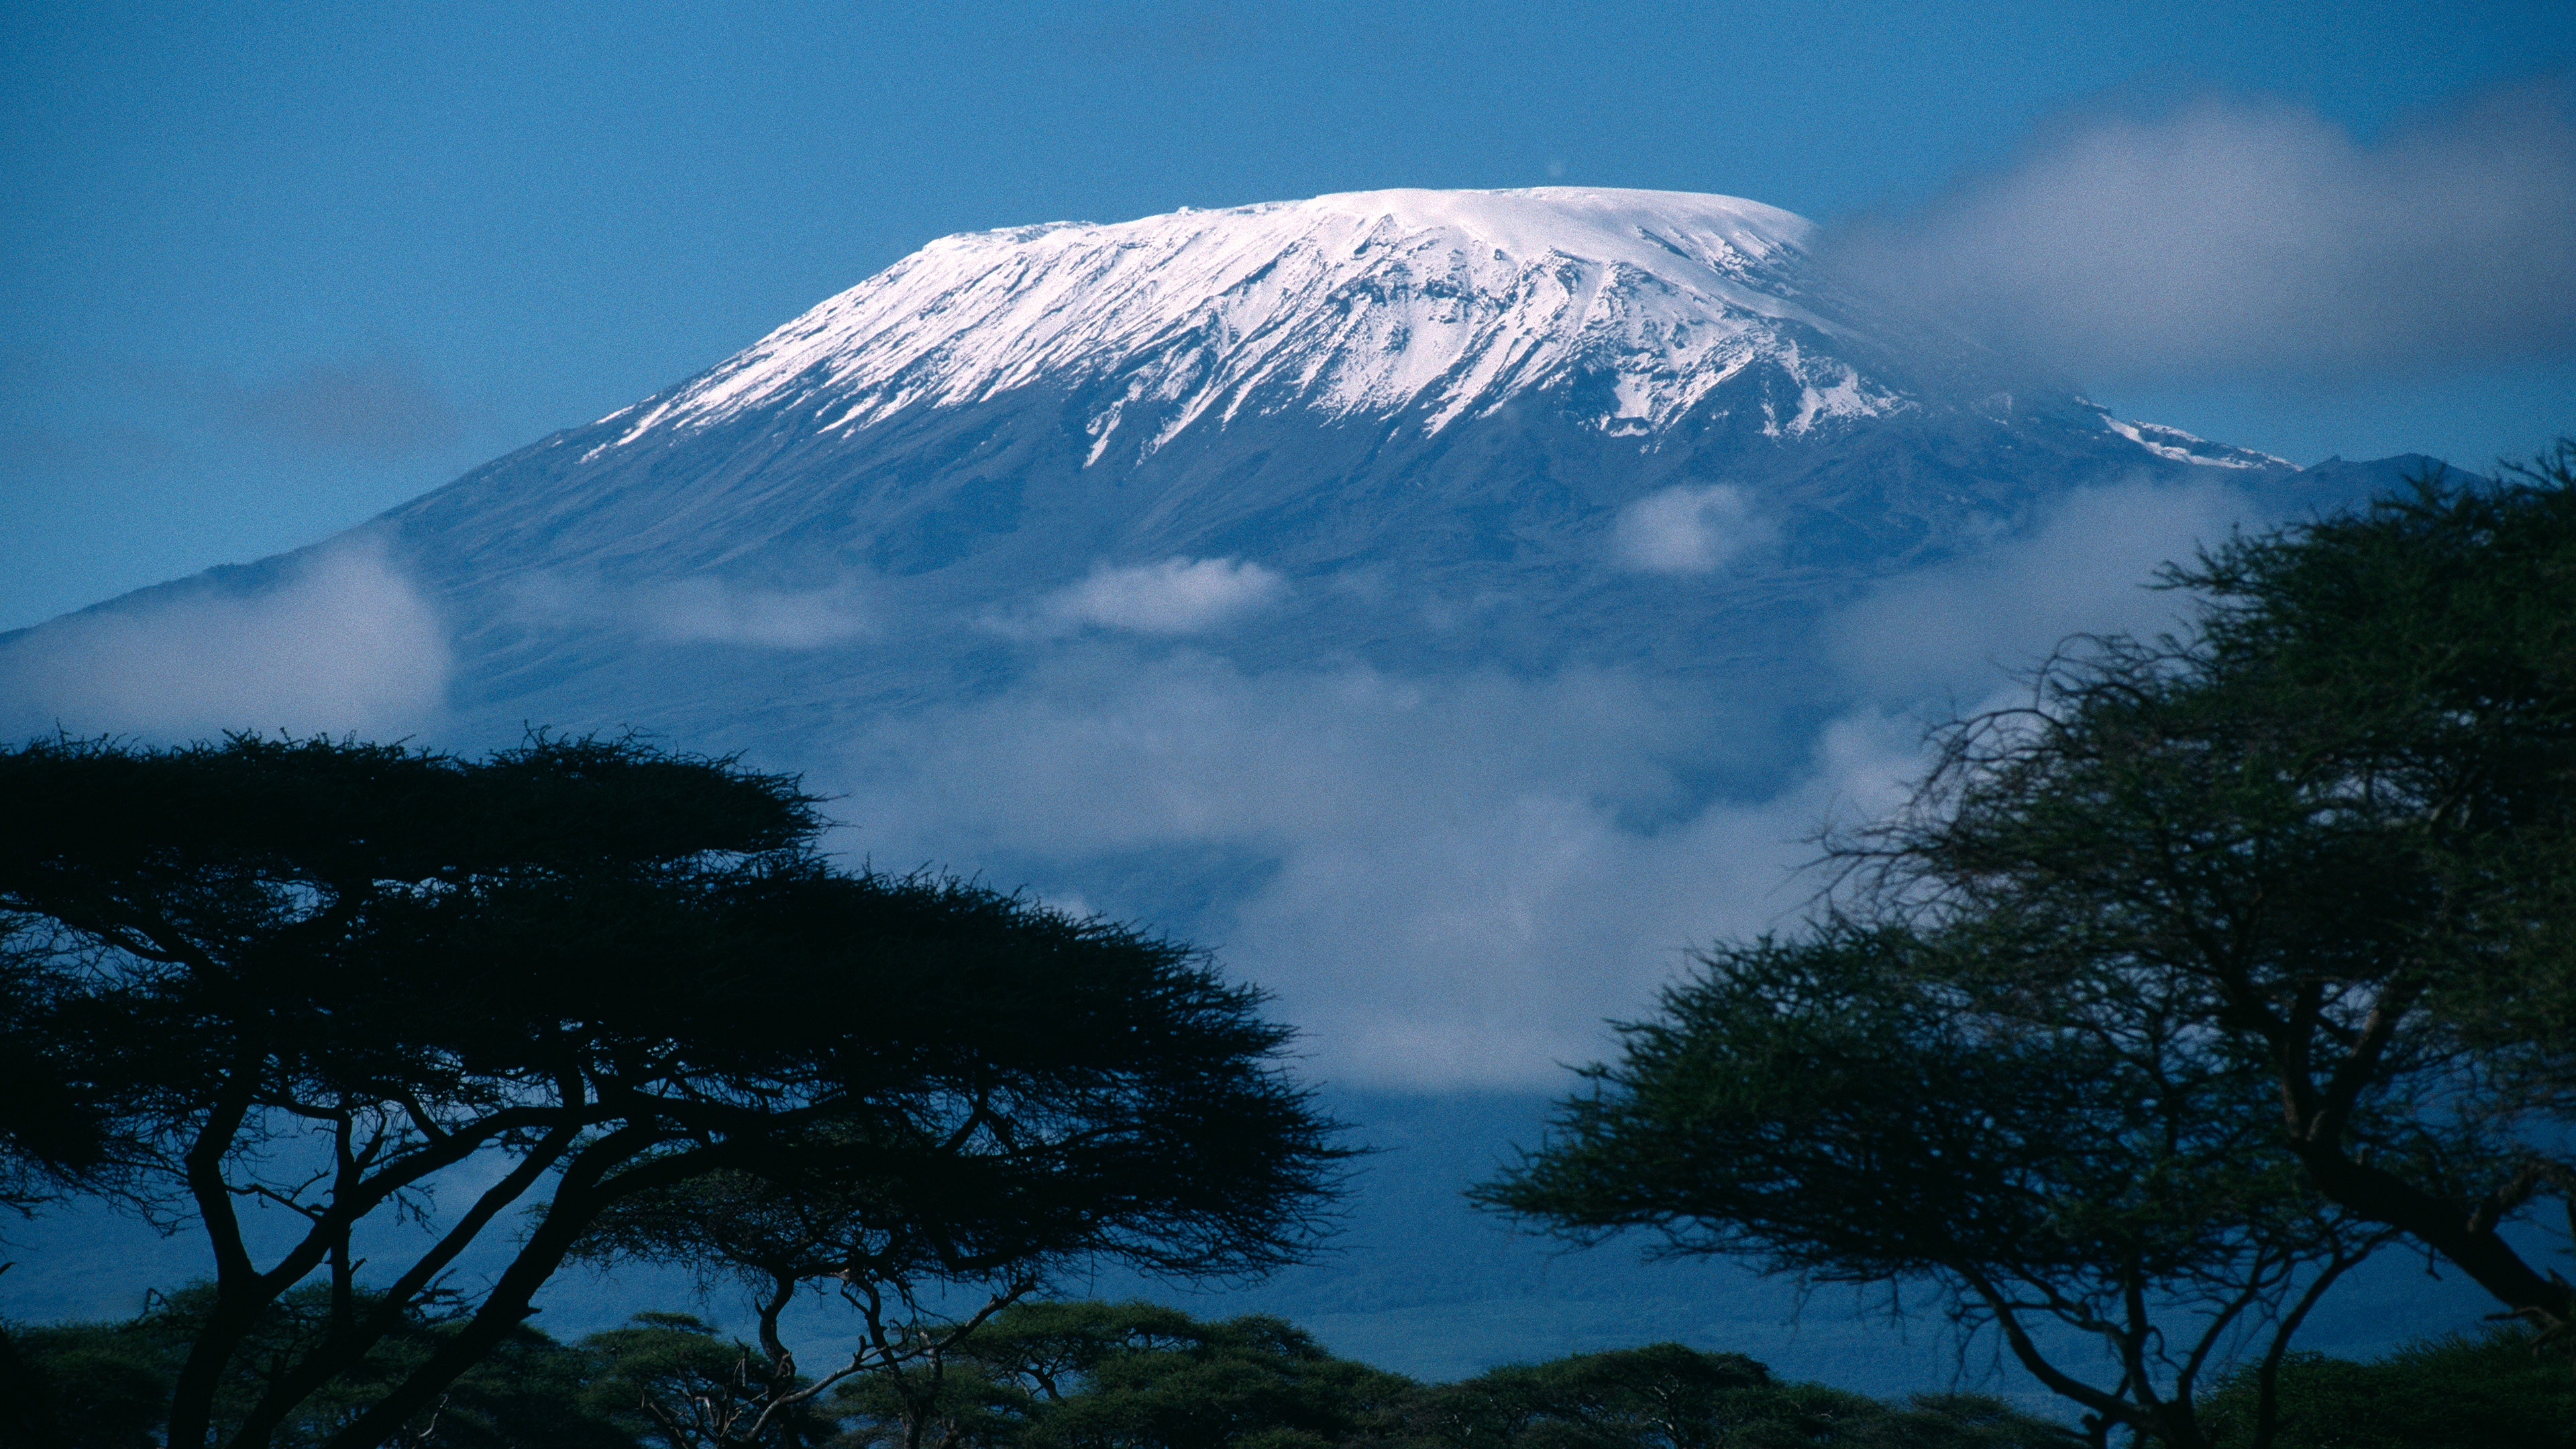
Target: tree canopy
{"points": [[2339, 819], [2454, 1392], [1041, 1375], [328, 978], [1141, 1376], [1866, 1107], [2226, 958]]}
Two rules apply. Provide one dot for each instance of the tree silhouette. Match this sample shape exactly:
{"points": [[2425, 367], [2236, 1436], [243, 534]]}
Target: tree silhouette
{"points": [[328, 979]]}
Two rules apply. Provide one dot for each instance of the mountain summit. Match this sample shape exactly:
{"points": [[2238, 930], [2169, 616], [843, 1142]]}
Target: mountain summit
{"points": [[1447, 304]]}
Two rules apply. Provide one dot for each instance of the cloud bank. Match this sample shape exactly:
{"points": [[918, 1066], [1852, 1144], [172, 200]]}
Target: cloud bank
{"points": [[2087, 568], [1177, 596], [342, 643], [2254, 236], [1454, 878], [705, 608], [1451, 877]]}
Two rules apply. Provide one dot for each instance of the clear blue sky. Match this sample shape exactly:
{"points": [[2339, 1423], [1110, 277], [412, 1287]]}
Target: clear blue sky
{"points": [[271, 268]]}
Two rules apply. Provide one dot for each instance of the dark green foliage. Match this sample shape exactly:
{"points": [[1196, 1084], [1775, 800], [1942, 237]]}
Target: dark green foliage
{"points": [[323, 974], [1242, 1382], [27, 1414], [2446, 1393], [54, 1132], [1667, 1396], [1663, 1396], [1041, 1375], [1962, 1421], [109, 1384], [2343, 812], [1859, 1108], [1132, 1376], [670, 1380], [1871, 1107], [1137, 1376]]}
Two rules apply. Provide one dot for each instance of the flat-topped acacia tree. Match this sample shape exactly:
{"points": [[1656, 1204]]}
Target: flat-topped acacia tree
{"points": [[322, 977]]}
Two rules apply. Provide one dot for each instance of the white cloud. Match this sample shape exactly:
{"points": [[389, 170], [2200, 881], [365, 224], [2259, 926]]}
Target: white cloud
{"points": [[1452, 878], [715, 610], [341, 643], [1462, 876], [2084, 569], [2252, 235], [1176, 596], [1686, 530]]}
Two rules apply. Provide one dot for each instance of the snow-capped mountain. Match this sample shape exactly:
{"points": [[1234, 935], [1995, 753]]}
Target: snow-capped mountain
{"points": [[1448, 304], [1556, 425], [1477, 394], [1447, 604]]}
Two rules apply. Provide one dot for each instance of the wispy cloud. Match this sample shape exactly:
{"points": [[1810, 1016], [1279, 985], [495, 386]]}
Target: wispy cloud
{"points": [[1457, 877], [704, 608], [1686, 530], [714, 610], [1177, 596], [2252, 235], [2086, 568], [342, 642]]}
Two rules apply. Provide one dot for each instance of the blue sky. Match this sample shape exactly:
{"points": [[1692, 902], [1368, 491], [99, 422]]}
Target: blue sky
{"points": [[269, 269]]}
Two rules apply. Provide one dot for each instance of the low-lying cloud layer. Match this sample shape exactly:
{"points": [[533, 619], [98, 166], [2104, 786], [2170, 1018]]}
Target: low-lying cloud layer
{"points": [[341, 643], [1451, 879], [705, 608], [2088, 568], [1455, 878], [1176, 596], [2254, 236]]}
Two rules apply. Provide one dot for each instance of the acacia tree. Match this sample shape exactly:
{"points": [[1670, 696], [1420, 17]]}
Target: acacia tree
{"points": [[317, 977], [1669, 1396], [929, 1375], [671, 1377], [52, 1136], [1871, 1107], [2340, 817], [2299, 884]]}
